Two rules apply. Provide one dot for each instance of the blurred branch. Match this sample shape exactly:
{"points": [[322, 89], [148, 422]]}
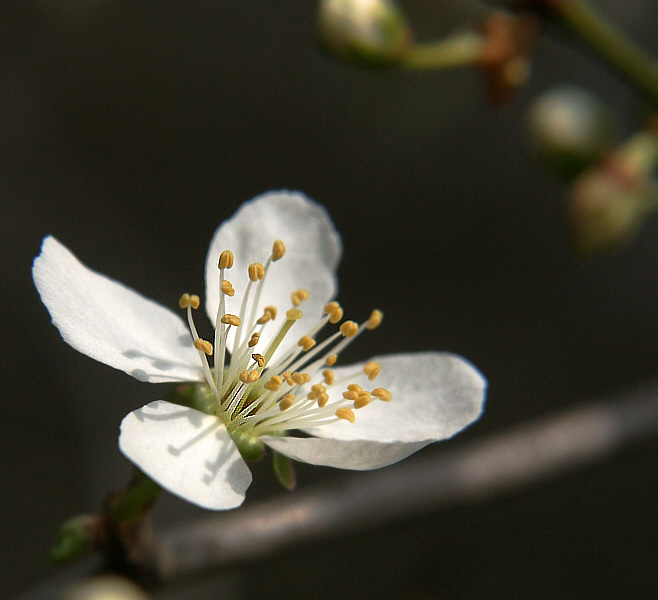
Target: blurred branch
{"points": [[504, 463]]}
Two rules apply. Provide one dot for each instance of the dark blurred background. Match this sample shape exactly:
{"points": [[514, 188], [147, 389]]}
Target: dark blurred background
{"points": [[130, 130]]}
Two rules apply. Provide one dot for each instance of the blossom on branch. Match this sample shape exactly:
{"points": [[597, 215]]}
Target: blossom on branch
{"points": [[266, 377]]}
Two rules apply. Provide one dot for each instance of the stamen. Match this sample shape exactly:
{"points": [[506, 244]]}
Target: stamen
{"points": [[329, 376], [331, 360], [229, 319], [298, 296], [227, 288], [375, 319], [204, 346], [362, 400], [372, 369], [256, 272], [278, 250], [225, 259], [306, 343], [301, 378], [351, 395], [249, 376], [286, 402], [382, 394], [334, 311], [259, 359], [294, 314], [346, 413], [349, 329], [323, 399], [189, 300], [254, 339], [274, 383], [354, 387]]}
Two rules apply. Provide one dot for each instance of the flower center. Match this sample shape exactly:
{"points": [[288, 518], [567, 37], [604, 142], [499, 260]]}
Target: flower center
{"points": [[255, 395]]}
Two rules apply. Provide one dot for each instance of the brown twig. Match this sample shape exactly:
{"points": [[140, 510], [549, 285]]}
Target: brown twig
{"points": [[501, 464]]}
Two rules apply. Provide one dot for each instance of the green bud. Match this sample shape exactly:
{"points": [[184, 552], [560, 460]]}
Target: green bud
{"points": [[284, 471], [106, 587], [570, 129], [605, 211], [250, 447], [372, 32], [75, 538]]}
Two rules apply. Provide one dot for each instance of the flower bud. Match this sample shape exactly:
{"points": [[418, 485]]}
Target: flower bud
{"points": [[104, 588], [604, 211], [570, 129], [373, 32]]}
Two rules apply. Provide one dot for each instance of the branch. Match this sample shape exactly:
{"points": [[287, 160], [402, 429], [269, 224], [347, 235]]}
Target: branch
{"points": [[502, 464], [505, 463]]}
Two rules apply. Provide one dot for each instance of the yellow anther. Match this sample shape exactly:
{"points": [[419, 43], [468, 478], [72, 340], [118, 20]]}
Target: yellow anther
{"points": [[294, 314], [204, 346], [334, 311], [227, 288], [249, 376], [254, 339], [184, 301], [271, 310], [372, 369], [298, 296], [382, 394], [306, 343], [323, 399], [256, 271], [194, 301], [331, 307], [278, 250], [362, 400], [329, 376], [286, 401], [349, 329], [229, 319], [264, 319], [301, 378], [331, 360], [225, 259], [355, 387], [351, 395], [316, 391], [336, 316], [346, 413], [375, 319], [287, 376], [274, 383], [259, 358]]}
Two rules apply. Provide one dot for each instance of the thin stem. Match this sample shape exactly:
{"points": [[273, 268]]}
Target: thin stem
{"points": [[136, 500], [455, 51], [611, 43]]}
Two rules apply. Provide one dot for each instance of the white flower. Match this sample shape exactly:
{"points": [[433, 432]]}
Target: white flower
{"points": [[278, 380]]}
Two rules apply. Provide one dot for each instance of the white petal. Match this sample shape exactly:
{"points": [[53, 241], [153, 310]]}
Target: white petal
{"points": [[188, 453], [108, 321], [434, 397], [357, 455], [313, 250]]}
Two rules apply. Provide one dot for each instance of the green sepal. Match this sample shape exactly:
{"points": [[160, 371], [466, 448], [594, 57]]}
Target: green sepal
{"points": [[75, 538], [193, 395], [284, 471], [250, 447]]}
